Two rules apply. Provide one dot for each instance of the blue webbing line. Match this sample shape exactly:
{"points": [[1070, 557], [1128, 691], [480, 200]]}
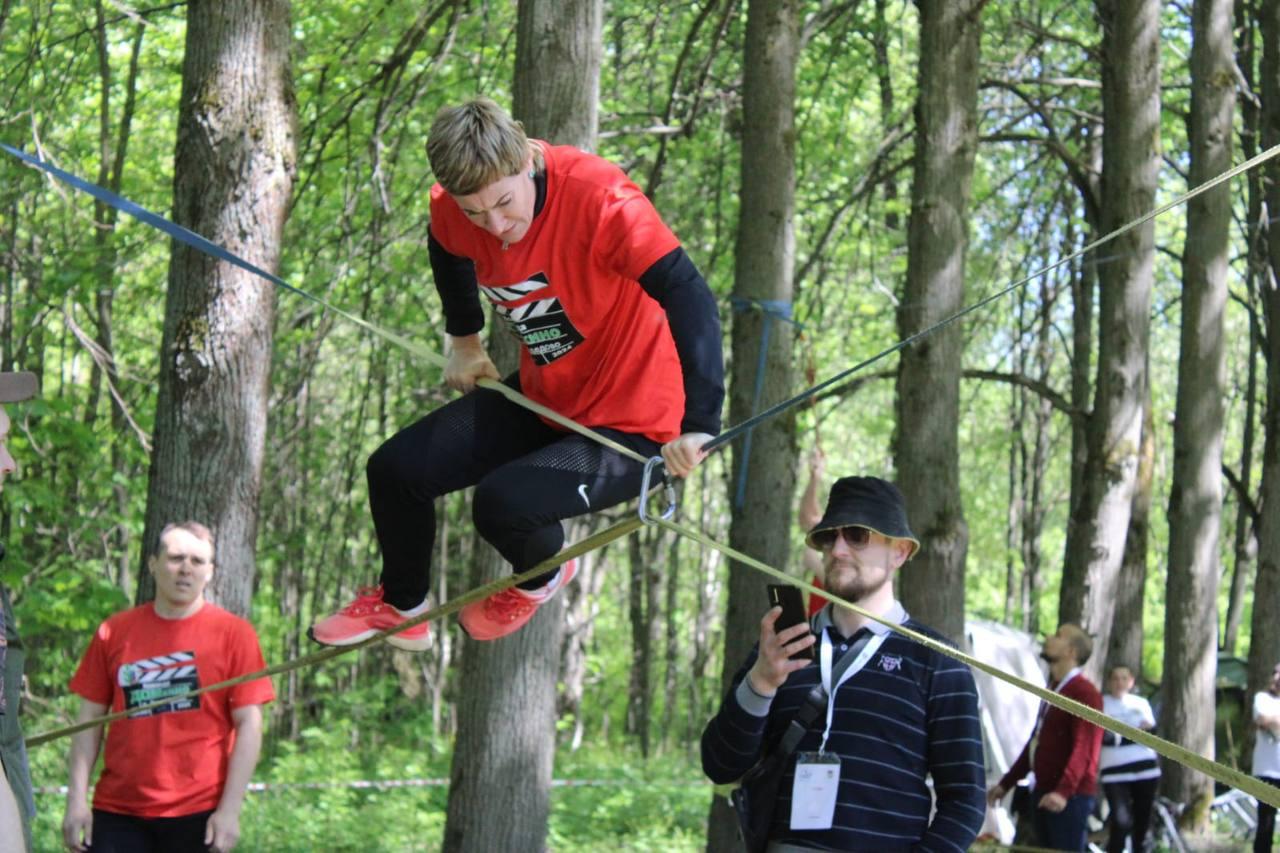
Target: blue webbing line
{"points": [[772, 309], [211, 249], [199, 243], [174, 230]]}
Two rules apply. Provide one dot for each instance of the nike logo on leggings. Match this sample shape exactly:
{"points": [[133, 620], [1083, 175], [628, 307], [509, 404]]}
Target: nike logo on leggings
{"points": [[582, 490]]}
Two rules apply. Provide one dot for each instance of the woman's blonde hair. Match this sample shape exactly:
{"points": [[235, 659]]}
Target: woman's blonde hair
{"points": [[476, 143]]}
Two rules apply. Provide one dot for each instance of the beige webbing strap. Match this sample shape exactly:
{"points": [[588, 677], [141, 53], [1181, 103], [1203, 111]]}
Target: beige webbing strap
{"points": [[1222, 773], [479, 593]]}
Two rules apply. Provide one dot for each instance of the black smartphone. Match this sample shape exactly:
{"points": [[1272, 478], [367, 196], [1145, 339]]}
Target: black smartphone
{"points": [[792, 612]]}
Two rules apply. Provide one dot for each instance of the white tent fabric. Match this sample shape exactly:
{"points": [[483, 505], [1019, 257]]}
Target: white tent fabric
{"points": [[1008, 713]]}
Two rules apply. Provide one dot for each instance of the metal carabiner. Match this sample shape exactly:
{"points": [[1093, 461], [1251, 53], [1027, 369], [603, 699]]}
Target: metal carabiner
{"points": [[669, 490]]}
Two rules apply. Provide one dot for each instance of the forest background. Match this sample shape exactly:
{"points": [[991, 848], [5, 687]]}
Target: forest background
{"points": [[891, 183]]}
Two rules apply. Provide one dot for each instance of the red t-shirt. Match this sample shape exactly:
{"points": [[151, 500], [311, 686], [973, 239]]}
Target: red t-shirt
{"points": [[172, 761], [597, 348]]}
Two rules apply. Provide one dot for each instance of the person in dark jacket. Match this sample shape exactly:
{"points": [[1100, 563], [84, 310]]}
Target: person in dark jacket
{"points": [[897, 712]]}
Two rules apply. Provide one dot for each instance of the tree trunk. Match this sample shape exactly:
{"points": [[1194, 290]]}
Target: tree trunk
{"points": [[703, 640], [1195, 498], [233, 174], [1084, 284], [1264, 642], [763, 270], [110, 174], [1036, 470], [884, 75], [928, 390], [500, 780], [581, 605], [643, 548], [1245, 550], [672, 623], [1126, 635], [1130, 166], [500, 789]]}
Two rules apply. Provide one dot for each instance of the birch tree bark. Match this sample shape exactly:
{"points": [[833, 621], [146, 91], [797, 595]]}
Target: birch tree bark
{"points": [[1195, 498], [1130, 166]]}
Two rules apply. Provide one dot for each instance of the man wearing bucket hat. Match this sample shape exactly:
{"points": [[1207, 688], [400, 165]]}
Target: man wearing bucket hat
{"points": [[892, 712], [16, 803]]}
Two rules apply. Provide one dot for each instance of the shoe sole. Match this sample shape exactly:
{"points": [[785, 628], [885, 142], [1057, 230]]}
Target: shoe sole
{"points": [[395, 640], [399, 642]]}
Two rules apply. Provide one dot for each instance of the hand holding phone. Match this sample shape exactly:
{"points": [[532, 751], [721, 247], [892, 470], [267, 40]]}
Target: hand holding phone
{"points": [[793, 613]]}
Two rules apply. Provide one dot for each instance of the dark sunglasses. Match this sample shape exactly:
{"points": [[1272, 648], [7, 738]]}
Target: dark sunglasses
{"points": [[855, 536]]}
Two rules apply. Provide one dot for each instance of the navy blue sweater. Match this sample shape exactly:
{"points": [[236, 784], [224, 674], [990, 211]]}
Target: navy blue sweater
{"points": [[909, 713]]}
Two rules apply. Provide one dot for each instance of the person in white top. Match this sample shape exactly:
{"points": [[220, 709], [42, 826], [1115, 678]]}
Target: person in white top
{"points": [[1266, 756], [1129, 772]]}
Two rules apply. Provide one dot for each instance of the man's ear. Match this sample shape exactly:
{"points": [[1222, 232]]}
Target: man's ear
{"points": [[901, 552]]}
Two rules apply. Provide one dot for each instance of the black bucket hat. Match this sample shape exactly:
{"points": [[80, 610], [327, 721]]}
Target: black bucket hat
{"points": [[866, 502]]}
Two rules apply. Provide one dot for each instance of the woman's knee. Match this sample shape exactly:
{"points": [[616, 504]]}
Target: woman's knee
{"points": [[496, 510], [385, 466]]}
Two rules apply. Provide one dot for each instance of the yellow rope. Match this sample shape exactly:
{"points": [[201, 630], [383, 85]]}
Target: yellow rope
{"points": [[1222, 773], [1170, 750], [591, 543]]}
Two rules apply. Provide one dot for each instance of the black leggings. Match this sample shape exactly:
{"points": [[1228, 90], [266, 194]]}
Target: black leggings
{"points": [[528, 478], [1131, 804]]}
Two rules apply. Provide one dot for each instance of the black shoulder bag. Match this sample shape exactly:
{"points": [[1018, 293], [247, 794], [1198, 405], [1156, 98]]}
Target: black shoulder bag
{"points": [[757, 794]]}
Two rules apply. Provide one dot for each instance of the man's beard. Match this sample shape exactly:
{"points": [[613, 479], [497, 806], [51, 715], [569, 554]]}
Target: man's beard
{"points": [[854, 587]]}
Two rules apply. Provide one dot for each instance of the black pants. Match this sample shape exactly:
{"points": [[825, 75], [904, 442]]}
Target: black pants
{"points": [[119, 833], [528, 478], [1266, 821], [1131, 804]]}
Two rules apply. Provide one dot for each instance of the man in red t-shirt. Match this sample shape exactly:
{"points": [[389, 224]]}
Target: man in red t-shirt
{"points": [[1063, 750], [619, 331], [174, 776]]}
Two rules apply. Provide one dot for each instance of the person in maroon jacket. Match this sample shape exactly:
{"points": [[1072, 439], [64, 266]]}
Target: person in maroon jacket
{"points": [[1063, 750]]}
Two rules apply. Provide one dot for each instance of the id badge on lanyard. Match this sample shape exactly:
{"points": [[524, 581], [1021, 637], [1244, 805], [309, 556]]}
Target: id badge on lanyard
{"points": [[817, 779]]}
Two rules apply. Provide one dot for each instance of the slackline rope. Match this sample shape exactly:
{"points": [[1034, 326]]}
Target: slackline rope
{"points": [[479, 593], [1168, 749], [733, 432], [1234, 778], [212, 249], [195, 241]]}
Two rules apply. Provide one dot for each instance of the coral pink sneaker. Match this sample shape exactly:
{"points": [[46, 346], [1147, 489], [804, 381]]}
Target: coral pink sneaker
{"points": [[505, 612], [366, 616]]}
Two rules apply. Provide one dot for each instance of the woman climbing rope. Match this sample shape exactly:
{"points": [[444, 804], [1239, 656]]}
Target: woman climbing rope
{"points": [[620, 333]]}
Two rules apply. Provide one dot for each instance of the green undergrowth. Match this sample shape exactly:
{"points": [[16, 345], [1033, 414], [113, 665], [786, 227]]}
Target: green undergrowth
{"points": [[632, 805]]}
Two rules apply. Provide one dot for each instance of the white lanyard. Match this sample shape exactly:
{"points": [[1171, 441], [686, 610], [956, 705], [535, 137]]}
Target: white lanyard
{"points": [[824, 659]]}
